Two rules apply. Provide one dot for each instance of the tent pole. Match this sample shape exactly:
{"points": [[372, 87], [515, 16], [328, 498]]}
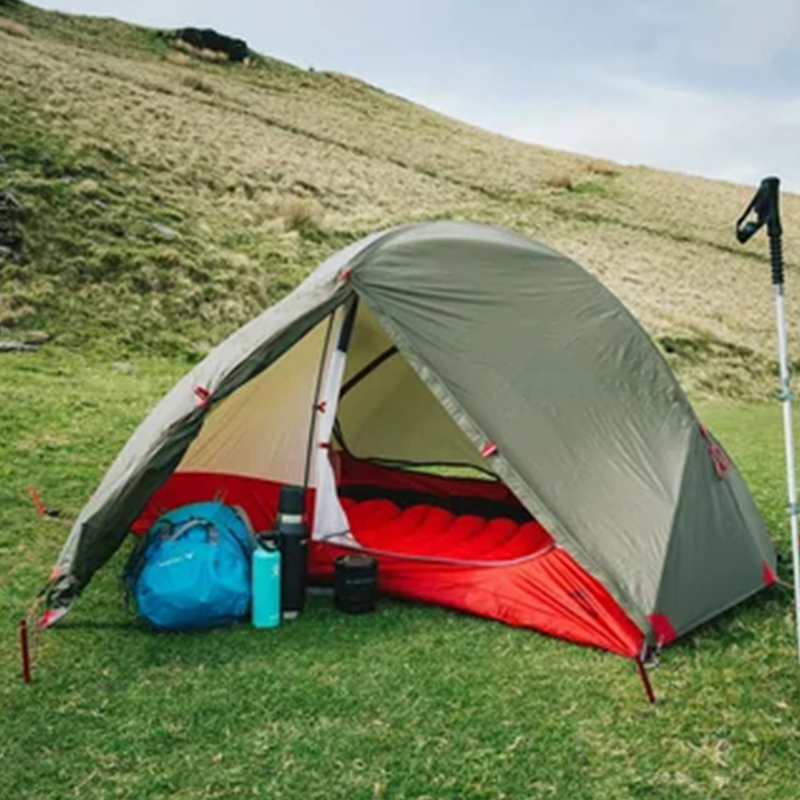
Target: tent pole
{"points": [[317, 390], [345, 331], [765, 206]]}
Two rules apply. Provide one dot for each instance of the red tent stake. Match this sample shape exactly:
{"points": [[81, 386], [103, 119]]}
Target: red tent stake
{"points": [[648, 687], [25, 652]]}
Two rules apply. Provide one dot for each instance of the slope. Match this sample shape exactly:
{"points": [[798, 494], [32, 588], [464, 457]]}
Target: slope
{"points": [[168, 198]]}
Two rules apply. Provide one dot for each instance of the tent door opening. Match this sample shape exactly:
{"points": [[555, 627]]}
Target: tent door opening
{"points": [[395, 474]]}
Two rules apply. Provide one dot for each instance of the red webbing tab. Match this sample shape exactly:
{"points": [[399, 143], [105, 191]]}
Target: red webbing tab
{"points": [[721, 461], [663, 629], [203, 396], [720, 458]]}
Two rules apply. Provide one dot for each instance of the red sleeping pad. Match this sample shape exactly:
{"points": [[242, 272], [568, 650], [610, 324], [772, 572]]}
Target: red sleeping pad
{"points": [[435, 533], [497, 568]]}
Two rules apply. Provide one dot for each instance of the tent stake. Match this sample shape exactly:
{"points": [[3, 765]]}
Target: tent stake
{"points": [[765, 205], [648, 687], [24, 650]]}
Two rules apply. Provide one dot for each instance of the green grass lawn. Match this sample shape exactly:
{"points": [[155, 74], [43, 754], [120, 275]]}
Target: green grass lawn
{"points": [[410, 702]]}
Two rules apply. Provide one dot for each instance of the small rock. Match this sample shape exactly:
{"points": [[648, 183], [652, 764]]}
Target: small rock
{"points": [[122, 366], [17, 347], [10, 235], [164, 230], [35, 337], [9, 203]]}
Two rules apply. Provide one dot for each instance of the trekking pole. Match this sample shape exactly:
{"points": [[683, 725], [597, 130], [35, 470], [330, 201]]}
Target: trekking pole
{"points": [[764, 206]]}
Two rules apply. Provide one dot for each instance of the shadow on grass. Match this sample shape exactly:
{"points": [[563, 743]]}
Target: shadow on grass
{"points": [[93, 625]]}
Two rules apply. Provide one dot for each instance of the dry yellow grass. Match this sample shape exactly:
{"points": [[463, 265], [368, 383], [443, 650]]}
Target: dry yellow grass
{"points": [[207, 55], [300, 212], [198, 84], [559, 182], [367, 159], [605, 168], [179, 59], [13, 28]]}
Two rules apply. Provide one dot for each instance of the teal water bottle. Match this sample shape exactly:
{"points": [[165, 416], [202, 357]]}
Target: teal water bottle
{"points": [[266, 586]]}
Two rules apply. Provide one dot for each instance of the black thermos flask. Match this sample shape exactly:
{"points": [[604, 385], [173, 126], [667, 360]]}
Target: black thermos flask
{"points": [[292, 536]]}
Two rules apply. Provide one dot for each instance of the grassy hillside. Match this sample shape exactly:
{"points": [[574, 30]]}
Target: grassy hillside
{"points": [[411, 702], [168, 199]]}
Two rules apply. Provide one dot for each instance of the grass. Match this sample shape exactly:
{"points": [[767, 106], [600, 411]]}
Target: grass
{"points": [[169, 199], [300, 213], [14, 28], [117, 264], [411, 702], [225, 151]]}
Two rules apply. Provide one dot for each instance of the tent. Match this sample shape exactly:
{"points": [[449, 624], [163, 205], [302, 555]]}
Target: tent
{"points": [[481, 414]]}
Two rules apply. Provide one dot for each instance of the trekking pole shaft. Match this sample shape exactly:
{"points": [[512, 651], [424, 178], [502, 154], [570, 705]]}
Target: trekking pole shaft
{"points": [[765, 206], [788, 437]]}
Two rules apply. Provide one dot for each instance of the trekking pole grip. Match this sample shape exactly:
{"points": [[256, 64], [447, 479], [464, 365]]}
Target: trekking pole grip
{"points": [[765, 205], [776, 258]]}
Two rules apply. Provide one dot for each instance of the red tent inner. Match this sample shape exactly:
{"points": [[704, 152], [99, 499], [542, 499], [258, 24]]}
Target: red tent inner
{"points": [[464, 543]]}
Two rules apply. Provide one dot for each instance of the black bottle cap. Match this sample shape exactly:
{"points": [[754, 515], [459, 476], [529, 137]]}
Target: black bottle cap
{"points": [[292, 500]]}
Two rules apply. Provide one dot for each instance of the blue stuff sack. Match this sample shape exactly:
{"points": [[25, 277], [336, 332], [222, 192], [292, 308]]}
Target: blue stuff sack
{"points": [[192, 570]]}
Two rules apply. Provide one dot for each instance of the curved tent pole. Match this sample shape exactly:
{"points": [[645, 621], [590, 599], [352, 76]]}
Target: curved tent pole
{"points": [[765, 207], [323, 418], [368, 370], [317, 389], [342, 344]]}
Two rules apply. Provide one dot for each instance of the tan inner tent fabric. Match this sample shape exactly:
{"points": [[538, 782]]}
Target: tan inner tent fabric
{"points": [[261, 431], [391, 413]]}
